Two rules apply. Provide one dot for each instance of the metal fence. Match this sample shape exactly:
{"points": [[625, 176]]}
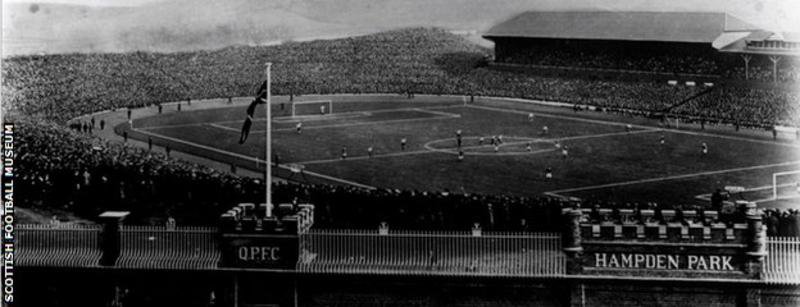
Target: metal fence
{"points": [[782, 263], [57, 245], [419, 252], [153, 247], [342, 251]]}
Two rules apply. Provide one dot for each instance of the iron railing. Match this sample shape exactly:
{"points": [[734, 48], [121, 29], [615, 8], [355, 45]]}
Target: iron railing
{"points": [[342, 251], [154, 247], [782, 263], [57, 245], [421, 252]]}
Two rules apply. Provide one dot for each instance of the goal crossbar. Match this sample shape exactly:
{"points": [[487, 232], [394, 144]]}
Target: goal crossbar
{"points": [[327, 102], [775, 181]]}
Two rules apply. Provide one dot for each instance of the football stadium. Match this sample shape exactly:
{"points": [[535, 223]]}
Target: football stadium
{"points": [[588, 159]]}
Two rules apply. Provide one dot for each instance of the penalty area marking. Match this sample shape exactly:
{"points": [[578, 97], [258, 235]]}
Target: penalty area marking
{"points": [[249, 158], [612, 123], [391, 121], [557, 193], [707, 196], [428, 110]]}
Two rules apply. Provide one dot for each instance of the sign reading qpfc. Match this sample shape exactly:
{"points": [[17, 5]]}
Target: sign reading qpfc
{"points": [[259, 253]]}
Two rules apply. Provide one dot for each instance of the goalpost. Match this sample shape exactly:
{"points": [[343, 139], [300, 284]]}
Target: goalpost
{"points": [[312, 107], [789, 188]]}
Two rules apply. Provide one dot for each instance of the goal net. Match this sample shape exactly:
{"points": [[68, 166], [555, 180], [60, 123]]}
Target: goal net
{"points": [[312, 108], [786, 185]]}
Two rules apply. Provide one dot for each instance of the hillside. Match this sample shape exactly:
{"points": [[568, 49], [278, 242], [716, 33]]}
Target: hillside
{"points": [[185, 25]]}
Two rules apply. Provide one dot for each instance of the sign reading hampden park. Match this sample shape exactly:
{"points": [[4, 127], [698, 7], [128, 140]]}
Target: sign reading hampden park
{"points": [[663, 262], [665, 243], [262, 237]]}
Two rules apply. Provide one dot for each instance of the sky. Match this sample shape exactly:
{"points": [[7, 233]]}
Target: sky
{"points": [[92, 2]]}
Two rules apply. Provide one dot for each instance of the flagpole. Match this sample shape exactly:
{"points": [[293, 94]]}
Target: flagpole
{"points": [[268, 143]]}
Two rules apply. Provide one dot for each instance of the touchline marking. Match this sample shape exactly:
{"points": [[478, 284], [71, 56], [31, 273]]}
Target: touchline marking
{"points": [[233, 154], [616, 184], [602, 122]]}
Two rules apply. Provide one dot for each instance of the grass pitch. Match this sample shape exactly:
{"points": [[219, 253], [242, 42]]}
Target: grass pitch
{"points": [[605, 159]]}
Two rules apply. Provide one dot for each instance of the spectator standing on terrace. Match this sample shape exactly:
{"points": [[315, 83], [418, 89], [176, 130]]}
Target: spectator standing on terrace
{"points": [[102, 124], [167, 150], [548, 173], [460, 155], [564, 153], [704, 149], [403, 144], [92, 121], [160, 108], [129, 113], [149, 143], [716, 200], [125, 136], [530, 117], [344, 152], [299, 127], [544, 130], [369, 151]]}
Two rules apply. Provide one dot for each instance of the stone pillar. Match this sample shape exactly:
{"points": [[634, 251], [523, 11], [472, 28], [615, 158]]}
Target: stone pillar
{"points": [[572, 241], [756, 236], [109, 237]]}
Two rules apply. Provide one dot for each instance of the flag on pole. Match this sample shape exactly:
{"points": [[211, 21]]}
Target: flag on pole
{"points": [[260, 97]]}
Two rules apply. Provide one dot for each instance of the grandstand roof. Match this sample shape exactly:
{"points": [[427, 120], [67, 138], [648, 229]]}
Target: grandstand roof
{"points": [[635, 26]]}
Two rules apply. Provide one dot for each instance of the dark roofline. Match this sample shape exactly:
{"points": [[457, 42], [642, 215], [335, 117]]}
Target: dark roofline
{"points": [[697, 27]]}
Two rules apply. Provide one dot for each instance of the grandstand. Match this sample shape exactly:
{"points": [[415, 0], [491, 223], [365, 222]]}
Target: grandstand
{"points": [[665, 44]]}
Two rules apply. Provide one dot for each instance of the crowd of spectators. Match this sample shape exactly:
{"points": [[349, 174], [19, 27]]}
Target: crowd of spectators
{"points": [[671, 60], [746, 107], [784, 223], [418, 60], [605, 58], [74, 171]]}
